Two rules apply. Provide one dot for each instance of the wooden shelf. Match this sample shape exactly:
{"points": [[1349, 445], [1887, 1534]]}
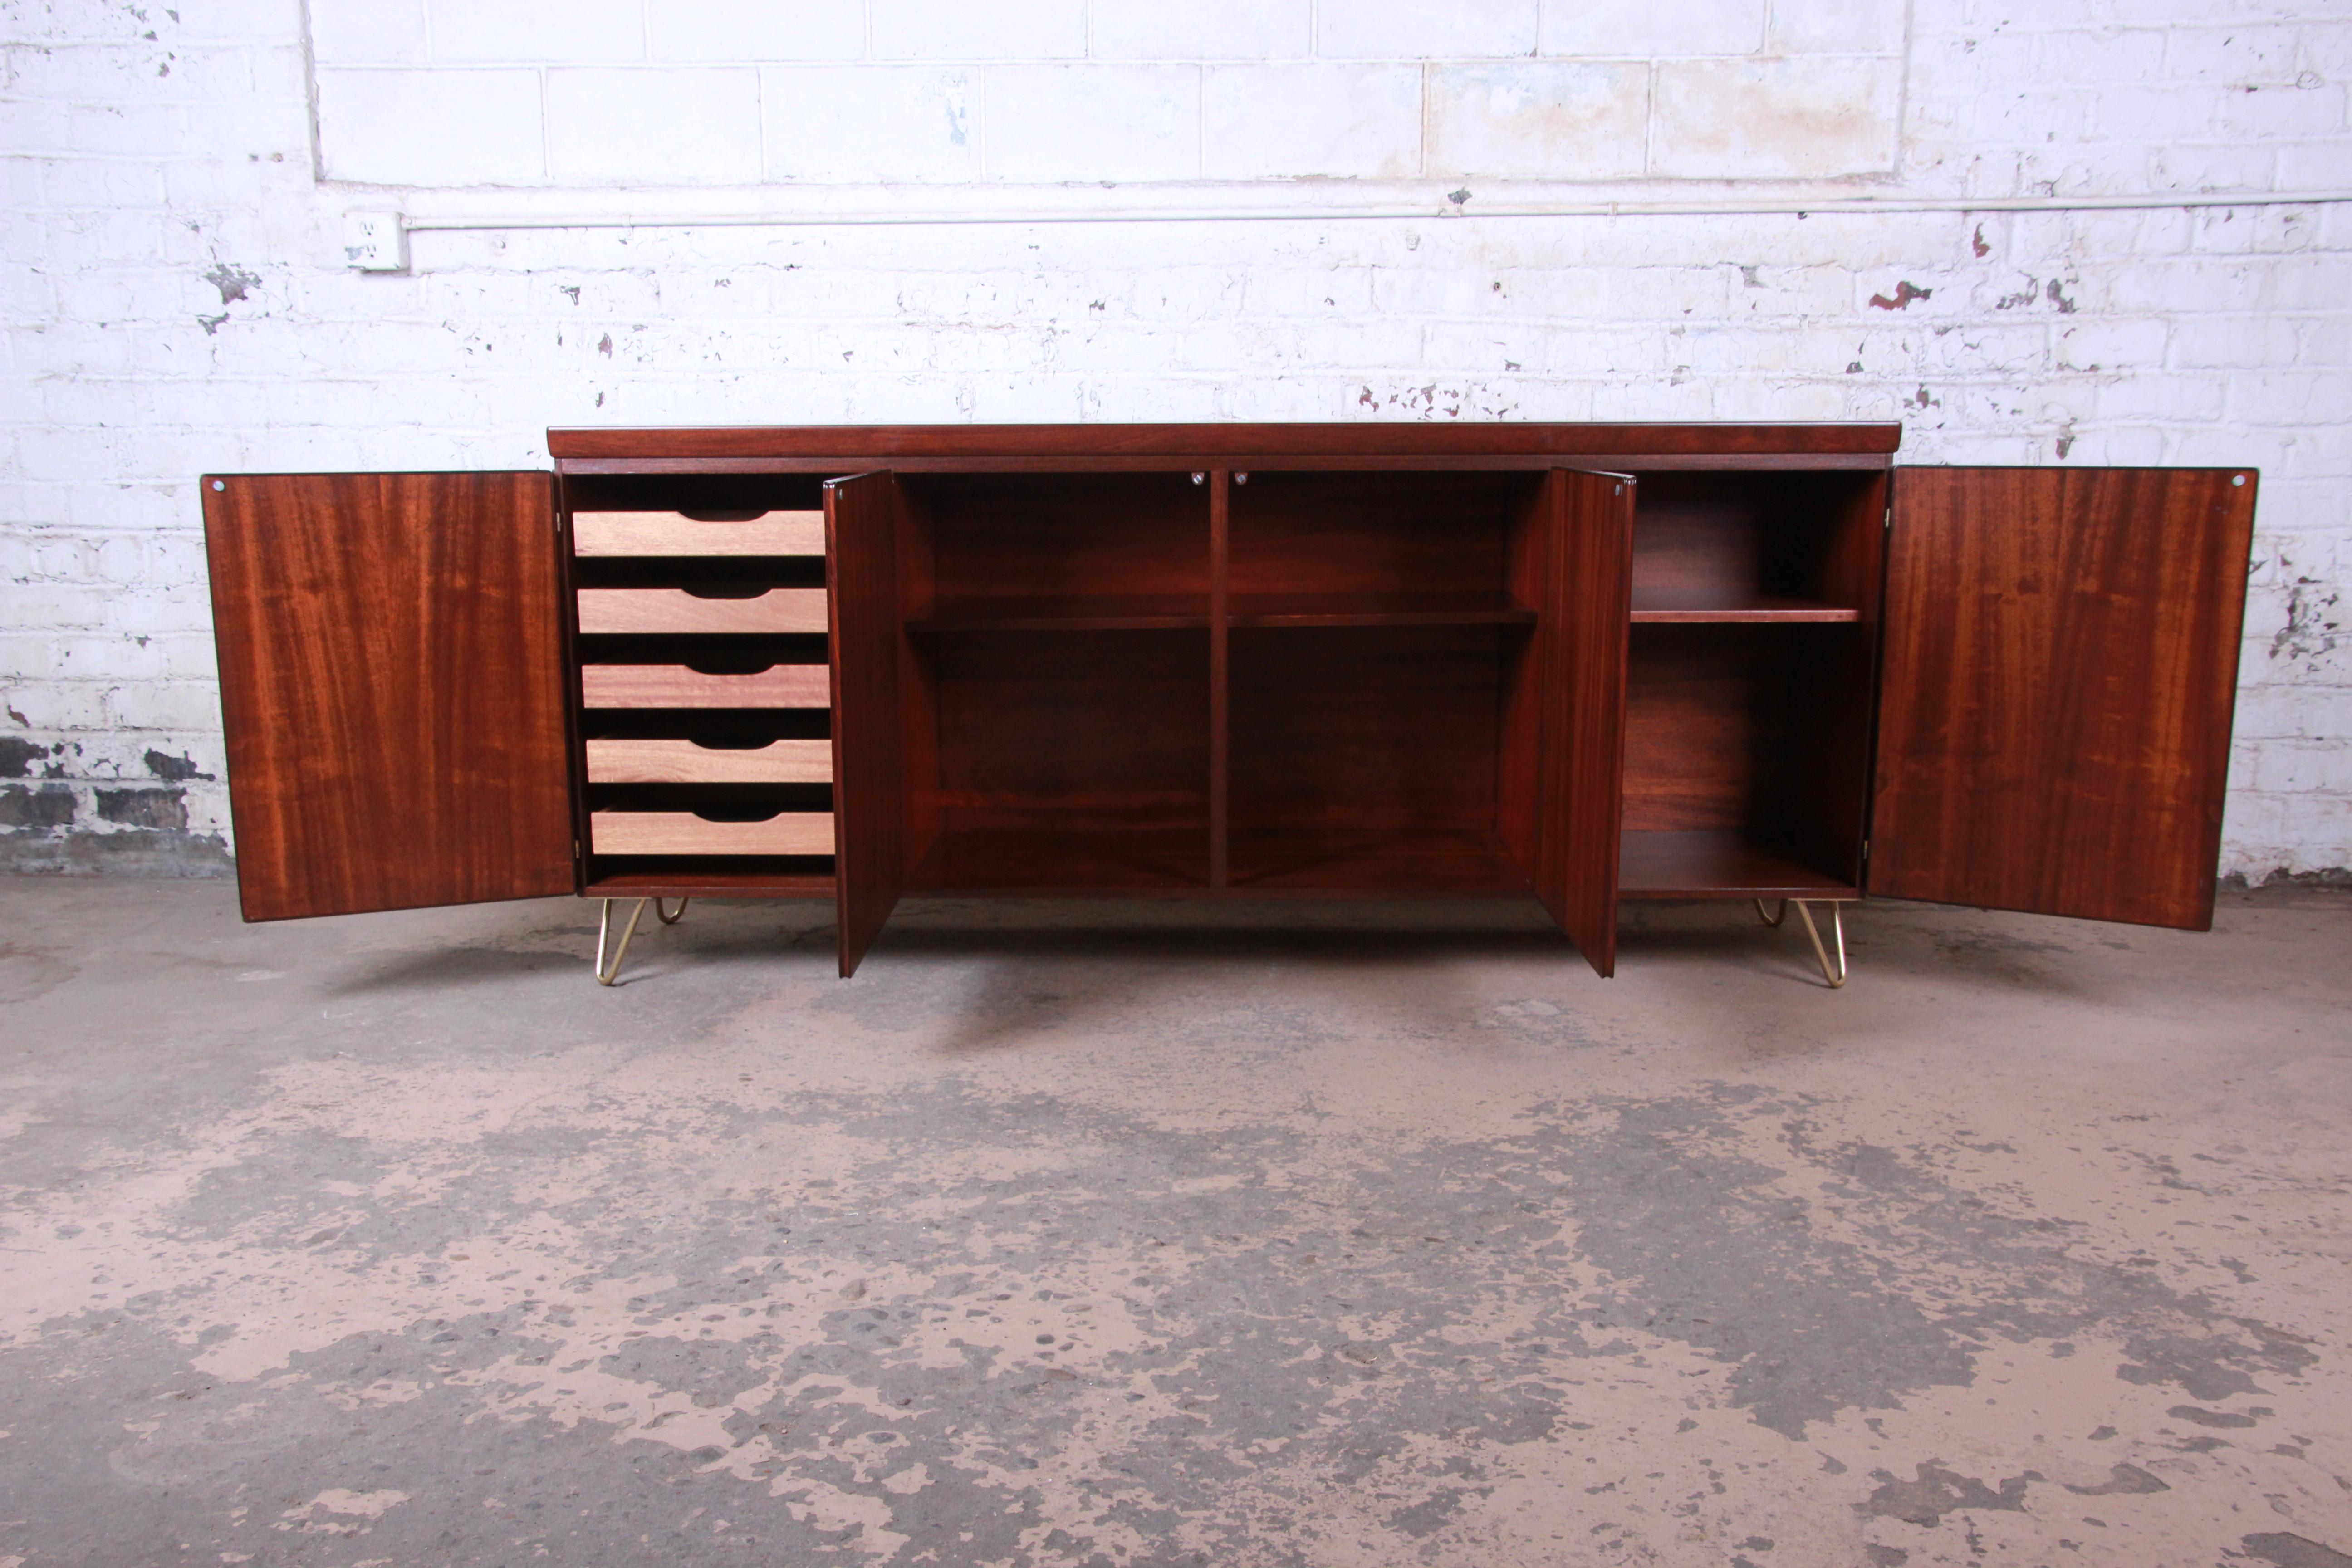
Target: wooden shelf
{"points": [[673, 884], [684, 833], [1150, 612], [1717, 865], [661, 611], [676, 685], [670, 533], [1137, 612], [1068, 857], [631, 760], [1377, 610], [1675, 606], [1414, 860]]}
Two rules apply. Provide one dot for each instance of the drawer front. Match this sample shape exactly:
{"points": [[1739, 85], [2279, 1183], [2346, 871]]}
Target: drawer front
{"points": [[683, 833], [674, 533], [675, 686], [656, 611], [682, 762]]}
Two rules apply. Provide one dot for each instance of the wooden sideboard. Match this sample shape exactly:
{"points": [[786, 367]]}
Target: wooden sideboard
{"points": [[1591, 663]]}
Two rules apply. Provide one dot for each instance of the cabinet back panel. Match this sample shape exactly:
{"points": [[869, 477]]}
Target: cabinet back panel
{"points": [[1379, 729], [1735, 538], [1378, 533], [1707, 726], [1101, 723], [1078, 536]]}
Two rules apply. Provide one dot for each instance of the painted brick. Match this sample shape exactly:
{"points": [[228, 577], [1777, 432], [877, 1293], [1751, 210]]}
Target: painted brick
{"points": [[732, 32], [1388, 30], [1200, 30], [369, 32], [1836, 26], [889, 123], [1776, 118], [1093, 122], [430, 127], [1334, 120], [978, 29], [1643, 29], [173, 706], [1537, 120], [678, 126], [473, 32]]}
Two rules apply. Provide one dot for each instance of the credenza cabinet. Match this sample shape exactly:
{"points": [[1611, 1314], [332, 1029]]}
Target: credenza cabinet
{"points": [[1589, 663]]}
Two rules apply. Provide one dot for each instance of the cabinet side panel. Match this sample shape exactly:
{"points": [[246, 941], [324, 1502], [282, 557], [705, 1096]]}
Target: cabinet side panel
{"points": [[1587, 608], [868, 791], [2061, 651], [391, 661]]}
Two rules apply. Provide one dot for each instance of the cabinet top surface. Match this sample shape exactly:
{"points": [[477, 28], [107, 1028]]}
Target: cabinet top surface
{"points": [[1368, 439]]}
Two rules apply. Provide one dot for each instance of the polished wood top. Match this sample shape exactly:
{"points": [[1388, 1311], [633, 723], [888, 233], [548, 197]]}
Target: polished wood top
{"points": [[1366, 438]]}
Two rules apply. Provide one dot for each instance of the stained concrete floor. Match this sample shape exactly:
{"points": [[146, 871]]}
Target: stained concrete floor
{"points": [[1140, 1236]]}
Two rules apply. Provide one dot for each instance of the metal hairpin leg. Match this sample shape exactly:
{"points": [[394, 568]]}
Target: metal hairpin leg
{"points": [[607, 972], [1835, 975]]}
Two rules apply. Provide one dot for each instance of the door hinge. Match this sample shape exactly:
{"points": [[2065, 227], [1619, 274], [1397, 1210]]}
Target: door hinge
{"points": [[575, 849], [1890, 517]]}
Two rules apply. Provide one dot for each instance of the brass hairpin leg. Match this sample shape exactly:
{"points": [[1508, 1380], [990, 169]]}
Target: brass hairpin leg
{"points": [[608, 972], [1836, 977], [1772, 920]]}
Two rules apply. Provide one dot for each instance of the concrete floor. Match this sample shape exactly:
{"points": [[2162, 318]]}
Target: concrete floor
{"points": [[1148, 1235]]}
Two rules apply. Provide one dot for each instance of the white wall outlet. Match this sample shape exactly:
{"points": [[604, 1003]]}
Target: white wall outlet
{"points": [[375, 242]]}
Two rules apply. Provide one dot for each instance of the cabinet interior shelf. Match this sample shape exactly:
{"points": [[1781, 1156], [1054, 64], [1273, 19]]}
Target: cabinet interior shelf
{"points": [[1377, 610], [1666, 607], [1340, 860], [1074, 857], [1132, 612], [1717, 864], [1180, 612], [670, 882]]}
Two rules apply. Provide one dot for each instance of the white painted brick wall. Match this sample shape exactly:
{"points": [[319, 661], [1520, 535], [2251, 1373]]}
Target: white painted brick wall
{"points": [[1089, 91], [173, 300]]}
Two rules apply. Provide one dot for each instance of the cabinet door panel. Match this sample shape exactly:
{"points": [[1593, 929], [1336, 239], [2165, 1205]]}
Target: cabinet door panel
{"points": [[392, 682], [868, 788], [1586, 624], [2061, 665]]}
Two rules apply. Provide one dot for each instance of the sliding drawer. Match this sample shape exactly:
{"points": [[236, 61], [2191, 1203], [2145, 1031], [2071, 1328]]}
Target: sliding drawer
{"points": [[675, 533], [659, 611], [676, 685], [631, 761], [683, 833]]}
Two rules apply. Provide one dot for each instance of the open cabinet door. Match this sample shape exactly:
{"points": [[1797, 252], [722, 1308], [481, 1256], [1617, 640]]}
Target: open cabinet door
{"points": [[868, 813], [392, 684], [2061, 665], [1585, 622]]}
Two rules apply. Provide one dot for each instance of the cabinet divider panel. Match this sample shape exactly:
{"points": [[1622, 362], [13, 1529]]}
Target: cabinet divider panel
{"points": [[862, 592]]}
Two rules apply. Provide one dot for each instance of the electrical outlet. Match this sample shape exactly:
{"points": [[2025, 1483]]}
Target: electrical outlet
{"points": [[375, 242]]}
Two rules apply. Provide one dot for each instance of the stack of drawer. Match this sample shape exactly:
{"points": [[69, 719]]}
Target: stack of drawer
{"points": [[672, 612]]}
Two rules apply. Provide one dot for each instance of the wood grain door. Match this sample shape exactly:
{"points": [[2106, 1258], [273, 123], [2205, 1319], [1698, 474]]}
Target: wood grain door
{"points": [[391, 683], [2061, 665], [869, 787], [1585, 624]]}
